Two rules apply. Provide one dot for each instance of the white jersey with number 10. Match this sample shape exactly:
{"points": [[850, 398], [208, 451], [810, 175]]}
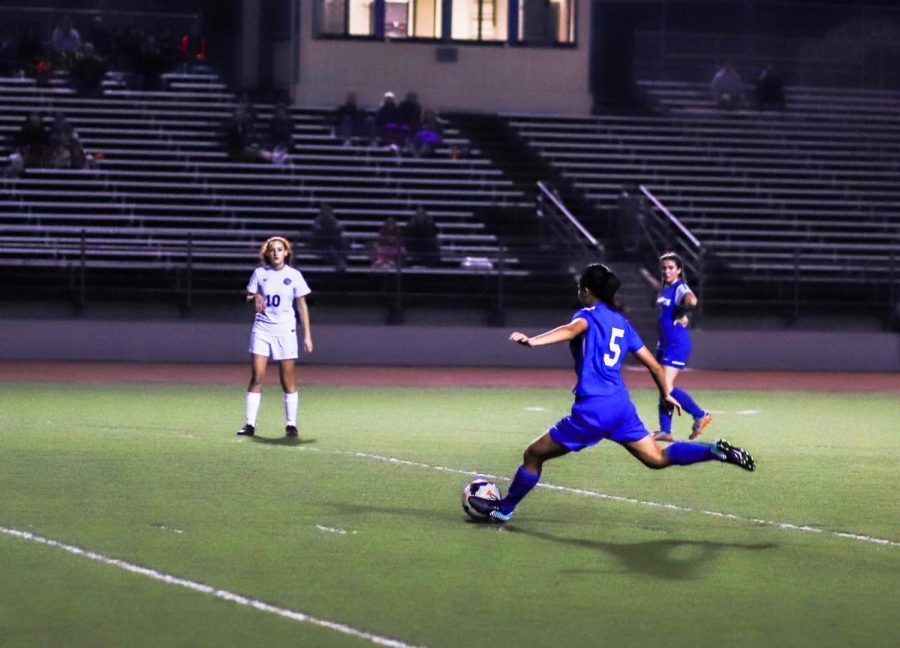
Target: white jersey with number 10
{"points": [[279, 289]]}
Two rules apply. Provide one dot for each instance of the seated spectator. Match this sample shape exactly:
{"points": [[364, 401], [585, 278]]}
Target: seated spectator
{"points": [[409, 112], [350, 121], [66, 151], [769, 90], [32, 142], [64, 43], [327, 238], [429, 136], [241, 141], [388, 128], [88, 71], [281, 129], [421, 239], [389, 250], [727, 88]]}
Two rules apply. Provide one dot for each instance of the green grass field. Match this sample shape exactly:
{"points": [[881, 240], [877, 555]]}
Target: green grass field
{"points": [[331, 528]]}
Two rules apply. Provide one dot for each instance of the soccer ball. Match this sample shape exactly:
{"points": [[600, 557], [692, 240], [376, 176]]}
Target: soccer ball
{"points": [[481, 487]]}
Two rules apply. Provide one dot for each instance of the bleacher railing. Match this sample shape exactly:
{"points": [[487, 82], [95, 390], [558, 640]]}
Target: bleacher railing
{"points": [[573, 241], [665, 233]]}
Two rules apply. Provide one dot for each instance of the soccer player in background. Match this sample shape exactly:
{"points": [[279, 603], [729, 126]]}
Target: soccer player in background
{"points": [[274, 290], [674, 304], [599, 338]]}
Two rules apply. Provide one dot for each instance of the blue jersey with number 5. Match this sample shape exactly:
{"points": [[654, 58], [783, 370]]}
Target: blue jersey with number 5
{"points": [[601, 349]]}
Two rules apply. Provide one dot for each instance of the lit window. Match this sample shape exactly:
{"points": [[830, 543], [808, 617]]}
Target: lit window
{"points": [[343, 17], [412, 18], [543, 22], [483, 20]]}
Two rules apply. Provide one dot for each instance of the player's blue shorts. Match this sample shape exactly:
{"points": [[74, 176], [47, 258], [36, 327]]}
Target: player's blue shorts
{"points": [[597, 418], [674, 353]]}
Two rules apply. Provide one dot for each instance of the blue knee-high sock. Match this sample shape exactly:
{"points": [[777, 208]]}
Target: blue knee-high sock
{"points": [[688, 404], [521, 484], [665, 418], [685, 453]]}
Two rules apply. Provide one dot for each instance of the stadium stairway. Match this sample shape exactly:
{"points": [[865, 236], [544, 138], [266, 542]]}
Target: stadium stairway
{"points": [[807, 194]]}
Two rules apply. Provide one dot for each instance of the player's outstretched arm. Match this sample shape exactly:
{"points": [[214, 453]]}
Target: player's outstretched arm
{"points": [[562, 333], [659, 377]]}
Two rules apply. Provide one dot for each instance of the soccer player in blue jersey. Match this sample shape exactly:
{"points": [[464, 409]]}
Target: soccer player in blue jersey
{"points": [[674, 304], [599, 338]]}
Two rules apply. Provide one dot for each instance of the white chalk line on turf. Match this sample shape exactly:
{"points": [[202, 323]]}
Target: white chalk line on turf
{"points": [[225, 595], [617, 498]]}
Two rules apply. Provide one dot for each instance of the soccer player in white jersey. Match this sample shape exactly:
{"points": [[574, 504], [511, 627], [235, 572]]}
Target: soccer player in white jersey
{"points": [[274, 289]]}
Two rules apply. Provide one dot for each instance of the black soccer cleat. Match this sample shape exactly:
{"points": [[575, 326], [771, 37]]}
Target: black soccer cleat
{"points": [[290, 431], [247, 430], [489, 508], [733, 455]]}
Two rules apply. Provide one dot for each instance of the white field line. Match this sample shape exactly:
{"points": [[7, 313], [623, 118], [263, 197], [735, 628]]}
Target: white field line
{"points": [[617, 498], [225, 595]]}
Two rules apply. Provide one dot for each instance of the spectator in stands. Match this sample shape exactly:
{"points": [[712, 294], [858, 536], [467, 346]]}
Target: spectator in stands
{"points": [[421, 239], [149, 64], [32, 142], [409, 112], [350, 121], [193, 48], [88, 71], [388, 128], [327, 238], [66, 151], [100, 36], [769, 89], [389, 250], [65, 42], [281, 129], [241, 141], [429, 136], [727, 88]]}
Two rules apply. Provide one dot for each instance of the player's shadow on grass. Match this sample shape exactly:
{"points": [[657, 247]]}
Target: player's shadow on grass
{"points": [[282, 441], [670, 558]]}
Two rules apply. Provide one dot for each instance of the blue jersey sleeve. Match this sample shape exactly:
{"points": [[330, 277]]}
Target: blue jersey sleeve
{"points": [[634, 340]]}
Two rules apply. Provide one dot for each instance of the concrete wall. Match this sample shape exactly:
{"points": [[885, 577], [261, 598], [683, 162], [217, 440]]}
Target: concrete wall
{"points": [[485, 78], [188, 341]]}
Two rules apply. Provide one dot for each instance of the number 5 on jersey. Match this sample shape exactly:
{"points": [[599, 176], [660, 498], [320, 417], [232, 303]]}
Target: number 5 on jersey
{"points": [[610, 359]]}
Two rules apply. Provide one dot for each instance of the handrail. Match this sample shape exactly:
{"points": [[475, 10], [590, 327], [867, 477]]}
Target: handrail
{"points": [[672, 218], [564, 210]]}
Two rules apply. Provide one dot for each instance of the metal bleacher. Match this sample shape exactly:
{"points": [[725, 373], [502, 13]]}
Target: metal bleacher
{"points": [[162, 195], [806, 195]]}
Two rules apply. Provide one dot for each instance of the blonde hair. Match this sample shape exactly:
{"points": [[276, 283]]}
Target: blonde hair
{"points": [[263, 251]]}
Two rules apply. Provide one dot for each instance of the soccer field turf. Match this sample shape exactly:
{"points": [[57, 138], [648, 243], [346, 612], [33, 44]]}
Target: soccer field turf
{"points": [[360, 524]]}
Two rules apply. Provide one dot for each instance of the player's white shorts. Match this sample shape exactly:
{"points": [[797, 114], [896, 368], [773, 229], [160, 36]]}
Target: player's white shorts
{"points": [[276, 347]]}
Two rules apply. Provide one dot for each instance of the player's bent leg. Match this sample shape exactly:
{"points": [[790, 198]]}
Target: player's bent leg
{"points": [[527, 477], [647, 452], [540, 450]]}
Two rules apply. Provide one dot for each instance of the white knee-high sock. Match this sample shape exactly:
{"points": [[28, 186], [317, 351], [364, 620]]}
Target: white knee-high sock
{"points": [[251, 407], [291, 403]]}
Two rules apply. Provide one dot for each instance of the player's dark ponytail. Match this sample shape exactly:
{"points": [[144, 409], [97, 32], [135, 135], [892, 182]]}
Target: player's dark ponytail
{"points": [[601, 282]]}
